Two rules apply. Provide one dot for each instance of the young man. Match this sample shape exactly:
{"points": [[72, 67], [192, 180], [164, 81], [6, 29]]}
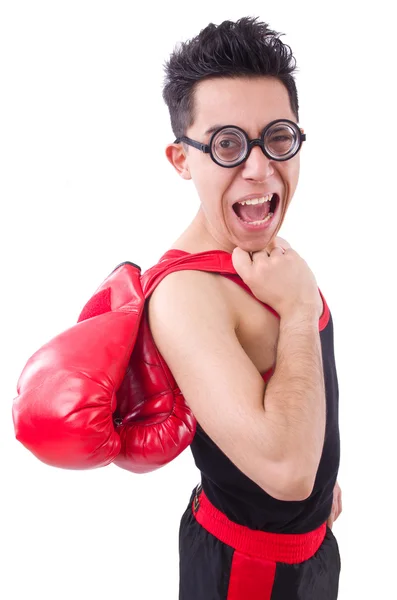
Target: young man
{"points": [[254, 361]]}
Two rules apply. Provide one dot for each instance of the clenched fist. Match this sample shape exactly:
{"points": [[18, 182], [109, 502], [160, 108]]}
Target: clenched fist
{"points": [[279, 277]]}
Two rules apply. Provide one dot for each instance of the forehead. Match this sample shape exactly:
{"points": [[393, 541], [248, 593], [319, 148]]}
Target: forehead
{"points": [[250, 103]]}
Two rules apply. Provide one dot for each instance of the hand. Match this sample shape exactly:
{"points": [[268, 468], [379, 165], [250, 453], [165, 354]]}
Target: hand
{"points": [[336, 506], [278, 242], [279, 277]]}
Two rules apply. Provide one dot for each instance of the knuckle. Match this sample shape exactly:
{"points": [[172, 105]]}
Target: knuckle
{"points": [[283, 242]]}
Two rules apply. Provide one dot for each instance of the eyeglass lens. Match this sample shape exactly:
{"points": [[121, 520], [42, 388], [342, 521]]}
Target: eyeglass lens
{"points": [[230, 145]]}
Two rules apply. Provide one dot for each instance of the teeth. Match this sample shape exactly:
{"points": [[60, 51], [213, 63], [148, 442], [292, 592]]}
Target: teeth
{"points": [[258, 200], [269, 216]]}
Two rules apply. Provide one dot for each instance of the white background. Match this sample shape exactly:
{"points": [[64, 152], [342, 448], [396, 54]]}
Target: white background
{"points": [[85, 185]]}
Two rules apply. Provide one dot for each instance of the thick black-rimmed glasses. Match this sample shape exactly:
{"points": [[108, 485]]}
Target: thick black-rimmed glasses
{"points": [[230, 145]]}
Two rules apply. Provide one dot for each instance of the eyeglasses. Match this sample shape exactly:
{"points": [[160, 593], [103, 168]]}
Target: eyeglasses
{"points": [[230, 145]]}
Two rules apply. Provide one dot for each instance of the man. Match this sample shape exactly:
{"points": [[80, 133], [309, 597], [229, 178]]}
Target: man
{"points": [[254, 361]]}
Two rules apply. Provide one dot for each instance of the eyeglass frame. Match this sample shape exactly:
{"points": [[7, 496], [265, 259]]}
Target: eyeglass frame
{"points": [[207, 148]]}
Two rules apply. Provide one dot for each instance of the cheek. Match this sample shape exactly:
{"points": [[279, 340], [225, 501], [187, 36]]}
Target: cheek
{"points": [[296, 168], [210, 180], [291, 174]]}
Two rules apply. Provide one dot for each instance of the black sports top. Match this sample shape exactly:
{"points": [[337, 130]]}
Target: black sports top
{"points": [[242, 500]]}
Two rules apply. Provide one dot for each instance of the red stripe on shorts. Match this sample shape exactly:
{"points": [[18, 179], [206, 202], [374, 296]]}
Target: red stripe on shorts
{"points": [[255, 552]]}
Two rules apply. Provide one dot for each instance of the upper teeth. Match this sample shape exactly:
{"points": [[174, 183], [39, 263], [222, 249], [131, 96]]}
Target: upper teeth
{"points": [[258, 200]]}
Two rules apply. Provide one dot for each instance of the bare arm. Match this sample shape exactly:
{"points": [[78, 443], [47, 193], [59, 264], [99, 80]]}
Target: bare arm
{"points": [[268, 437], [295, 396]]}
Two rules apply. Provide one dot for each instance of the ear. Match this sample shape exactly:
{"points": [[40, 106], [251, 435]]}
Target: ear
{"points": [[177, 157]]}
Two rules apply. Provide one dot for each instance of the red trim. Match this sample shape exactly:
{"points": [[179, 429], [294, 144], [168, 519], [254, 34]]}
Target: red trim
{"points": [[267, 374], [326, 313], [278, 547], [225, 268]]}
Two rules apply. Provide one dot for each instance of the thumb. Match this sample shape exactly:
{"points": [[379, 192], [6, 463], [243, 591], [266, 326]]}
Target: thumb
{"points": [[241, 260]]}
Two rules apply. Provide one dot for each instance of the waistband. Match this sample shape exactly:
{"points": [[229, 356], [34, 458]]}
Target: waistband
{"points": [[278, 547]]}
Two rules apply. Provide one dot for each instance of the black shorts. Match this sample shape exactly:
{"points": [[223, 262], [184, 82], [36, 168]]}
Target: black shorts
{"points": [[220, 560]]}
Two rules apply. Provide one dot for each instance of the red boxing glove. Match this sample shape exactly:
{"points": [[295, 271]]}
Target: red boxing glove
{"points": [[67, 391], [99, 392]]}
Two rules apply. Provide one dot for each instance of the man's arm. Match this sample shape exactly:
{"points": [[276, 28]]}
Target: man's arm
{"points": [[274, 438], [295, 395]]}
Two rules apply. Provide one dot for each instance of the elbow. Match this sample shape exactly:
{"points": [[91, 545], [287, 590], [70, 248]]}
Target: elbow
{"points": [[298, 484], [290, 486], [293, 493], [300, 492]]}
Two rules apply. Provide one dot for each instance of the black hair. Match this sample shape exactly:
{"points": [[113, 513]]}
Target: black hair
{"points": [[245, 48]]}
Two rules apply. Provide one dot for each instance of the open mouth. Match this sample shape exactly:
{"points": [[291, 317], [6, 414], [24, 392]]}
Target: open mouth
{"points": [[257, 211], [274, 202]]}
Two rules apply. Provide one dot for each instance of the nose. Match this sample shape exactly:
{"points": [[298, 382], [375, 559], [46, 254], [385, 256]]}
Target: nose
{"points": [[257, 167]]}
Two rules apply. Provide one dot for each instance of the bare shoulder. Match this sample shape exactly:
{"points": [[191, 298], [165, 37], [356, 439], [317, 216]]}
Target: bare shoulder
{"points": [[191, 296]]}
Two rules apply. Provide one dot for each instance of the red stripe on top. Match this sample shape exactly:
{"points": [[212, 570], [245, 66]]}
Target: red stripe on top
{"points": [[175, 254]]}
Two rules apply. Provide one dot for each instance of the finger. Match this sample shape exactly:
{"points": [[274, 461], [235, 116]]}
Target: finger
{"points": [[330, 522], [259, 254], [278, 241], [282, 242], [241, 260], [339, 503], [277, 250]]}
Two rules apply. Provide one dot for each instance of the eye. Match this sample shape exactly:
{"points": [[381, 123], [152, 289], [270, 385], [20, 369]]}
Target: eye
{"points": [[228, 144], [281, 138], [280, 141]]}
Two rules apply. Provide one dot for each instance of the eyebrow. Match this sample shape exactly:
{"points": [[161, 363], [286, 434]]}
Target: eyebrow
{"points": [[213, 128]]}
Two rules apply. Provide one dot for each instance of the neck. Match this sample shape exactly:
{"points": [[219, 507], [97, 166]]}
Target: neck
{"points": [[198, 237]]}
